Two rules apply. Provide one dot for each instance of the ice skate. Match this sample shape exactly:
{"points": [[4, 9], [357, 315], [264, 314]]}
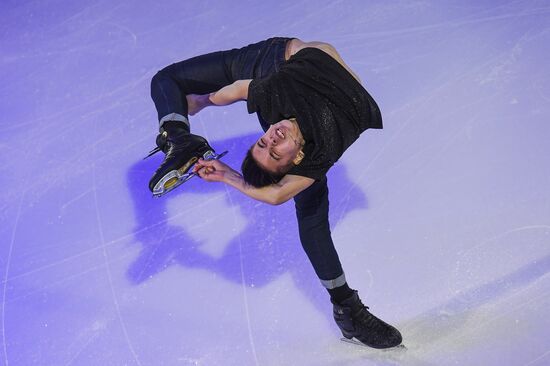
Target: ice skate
{"points": [[182, 151], [357, 323]]}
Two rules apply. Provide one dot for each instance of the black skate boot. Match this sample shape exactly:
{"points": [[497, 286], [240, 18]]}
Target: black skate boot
{"points": [[182, 150], [355, 321]]}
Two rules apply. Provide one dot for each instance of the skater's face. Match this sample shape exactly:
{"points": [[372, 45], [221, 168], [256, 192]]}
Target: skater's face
{"points": [[280, 147]]}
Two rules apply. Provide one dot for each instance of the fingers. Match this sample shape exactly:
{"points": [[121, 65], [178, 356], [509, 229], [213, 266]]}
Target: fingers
{"points": [[200, 172], [204, 171], [197, 167], [216, 164], [206, 162], [210, 170]]}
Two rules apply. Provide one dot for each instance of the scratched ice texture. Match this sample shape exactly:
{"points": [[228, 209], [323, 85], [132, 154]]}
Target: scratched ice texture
{"points": [[441, 219]]}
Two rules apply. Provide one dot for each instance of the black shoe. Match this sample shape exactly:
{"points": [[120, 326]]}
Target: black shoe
{"points": [[182, 150], [355, 321]]}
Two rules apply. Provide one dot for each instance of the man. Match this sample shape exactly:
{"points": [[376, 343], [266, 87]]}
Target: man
{"points": [[312, 107]]}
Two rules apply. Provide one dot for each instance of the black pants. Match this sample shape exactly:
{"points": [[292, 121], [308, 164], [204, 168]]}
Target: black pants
{"points": [[209, 73]]}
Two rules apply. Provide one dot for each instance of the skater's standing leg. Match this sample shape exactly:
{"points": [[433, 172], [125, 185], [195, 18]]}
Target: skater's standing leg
{"points": [[312, 208], [351, 316]]}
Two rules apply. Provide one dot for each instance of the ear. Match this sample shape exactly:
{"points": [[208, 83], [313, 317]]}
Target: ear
{"points": [[298, 159]]}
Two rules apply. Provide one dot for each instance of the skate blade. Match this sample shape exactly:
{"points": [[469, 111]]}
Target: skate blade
{"points": [[356, 342], [175, 178], [170, 181]]}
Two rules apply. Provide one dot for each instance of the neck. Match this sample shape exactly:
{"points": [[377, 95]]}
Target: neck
{"points": [[299, 138]]}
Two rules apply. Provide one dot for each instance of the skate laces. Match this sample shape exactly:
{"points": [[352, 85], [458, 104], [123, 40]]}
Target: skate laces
{"points": [[161, 140], [364, 317], [167, 143], [152, 152]]}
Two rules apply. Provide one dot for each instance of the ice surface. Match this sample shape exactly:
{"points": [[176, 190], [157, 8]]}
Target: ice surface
{"points": [[441, 219]]}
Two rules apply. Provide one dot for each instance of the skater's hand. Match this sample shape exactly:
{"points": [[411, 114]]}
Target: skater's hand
{"points": [[212, 170], [196, 102]]}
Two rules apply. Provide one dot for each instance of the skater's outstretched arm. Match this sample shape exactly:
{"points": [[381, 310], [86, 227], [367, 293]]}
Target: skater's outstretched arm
{"points": [[227, 95], [274, 194]]}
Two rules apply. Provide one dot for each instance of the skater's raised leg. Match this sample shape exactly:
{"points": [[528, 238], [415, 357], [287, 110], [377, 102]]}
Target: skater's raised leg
{"points": [[200, 75], [169, 87]]}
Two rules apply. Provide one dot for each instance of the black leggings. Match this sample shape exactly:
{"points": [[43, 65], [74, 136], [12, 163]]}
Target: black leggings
{"points": [[209, 73]]}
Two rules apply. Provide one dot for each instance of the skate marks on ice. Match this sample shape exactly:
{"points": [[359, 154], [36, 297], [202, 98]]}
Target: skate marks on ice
{"points": [[474, 316], [6, 277], [356, 353]]}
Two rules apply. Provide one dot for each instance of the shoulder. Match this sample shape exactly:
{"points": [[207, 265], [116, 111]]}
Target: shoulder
{"points": [[295, 45]]}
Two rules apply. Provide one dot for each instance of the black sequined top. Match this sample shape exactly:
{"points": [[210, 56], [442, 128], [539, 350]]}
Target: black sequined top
{"points": [[330, 106]]}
